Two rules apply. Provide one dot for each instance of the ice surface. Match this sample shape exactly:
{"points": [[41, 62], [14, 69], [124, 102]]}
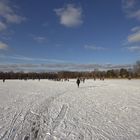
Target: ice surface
{"points": [[51, 110]]}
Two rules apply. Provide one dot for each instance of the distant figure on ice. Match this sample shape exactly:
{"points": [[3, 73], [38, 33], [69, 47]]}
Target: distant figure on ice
{"points": [[83, 80], [78, 82], [3, 80]]}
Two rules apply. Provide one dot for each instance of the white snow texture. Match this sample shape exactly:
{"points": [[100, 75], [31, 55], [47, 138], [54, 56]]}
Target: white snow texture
{"points": [[52, 110]]}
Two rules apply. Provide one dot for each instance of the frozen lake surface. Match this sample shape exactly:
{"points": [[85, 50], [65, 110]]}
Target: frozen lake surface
{"points": [[51, 110]]}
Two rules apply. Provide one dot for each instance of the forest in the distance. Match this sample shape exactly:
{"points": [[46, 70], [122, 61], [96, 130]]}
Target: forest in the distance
{"points": [[113, 73]]}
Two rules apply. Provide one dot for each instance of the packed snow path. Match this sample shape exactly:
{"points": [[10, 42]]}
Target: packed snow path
{"points": [[50, 110]]}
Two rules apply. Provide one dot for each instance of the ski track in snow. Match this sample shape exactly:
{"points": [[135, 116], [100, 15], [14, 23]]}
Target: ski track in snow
{"points": [[50, 110]]}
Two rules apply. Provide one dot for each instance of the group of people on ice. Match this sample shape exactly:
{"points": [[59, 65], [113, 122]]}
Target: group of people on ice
{"points": [[83, 80], [78, 81]]}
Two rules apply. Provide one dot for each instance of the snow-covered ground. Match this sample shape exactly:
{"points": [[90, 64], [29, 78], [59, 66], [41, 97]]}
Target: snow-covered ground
{"points": [[50, 110]]}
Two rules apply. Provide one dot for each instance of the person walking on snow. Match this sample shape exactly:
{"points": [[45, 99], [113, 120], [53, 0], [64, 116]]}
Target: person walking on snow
{"points": [[78, 82]]}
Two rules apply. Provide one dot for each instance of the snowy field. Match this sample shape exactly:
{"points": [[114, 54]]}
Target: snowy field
{"points": [[50, 110]]}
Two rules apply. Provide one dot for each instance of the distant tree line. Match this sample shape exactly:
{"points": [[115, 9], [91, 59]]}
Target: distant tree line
{"points": [[114, 73]]}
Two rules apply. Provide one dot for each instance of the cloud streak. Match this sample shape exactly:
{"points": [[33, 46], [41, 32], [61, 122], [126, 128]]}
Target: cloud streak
{"points": [[135, 15], [131, 8], [3, 46], [128, 3], [70, 15], [133, 48], [8, 15], [2, 26], [40, 39], [94, 48], [28, 64], [59, 67], [135, 29], [135, 37], [133, 40], [31, 59]]}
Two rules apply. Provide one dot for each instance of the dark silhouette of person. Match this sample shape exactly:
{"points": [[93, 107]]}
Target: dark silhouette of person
{"points": [[3, 80], [78, 82]]}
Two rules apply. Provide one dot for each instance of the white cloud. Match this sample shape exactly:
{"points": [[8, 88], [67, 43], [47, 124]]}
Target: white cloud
{"points": [[135, 14], [2, 26], [14, 18], [3, 46], [8, 14], [135, 29], [128, 3], [133, 40], [40, 39], [70, 15], [131, 8], [135, 37], [94, 48], [134, 48], [31, 59], [59, 67]]}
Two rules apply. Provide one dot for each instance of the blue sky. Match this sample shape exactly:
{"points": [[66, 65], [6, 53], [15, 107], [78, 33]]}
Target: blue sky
{"points": [[64, 32]]}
